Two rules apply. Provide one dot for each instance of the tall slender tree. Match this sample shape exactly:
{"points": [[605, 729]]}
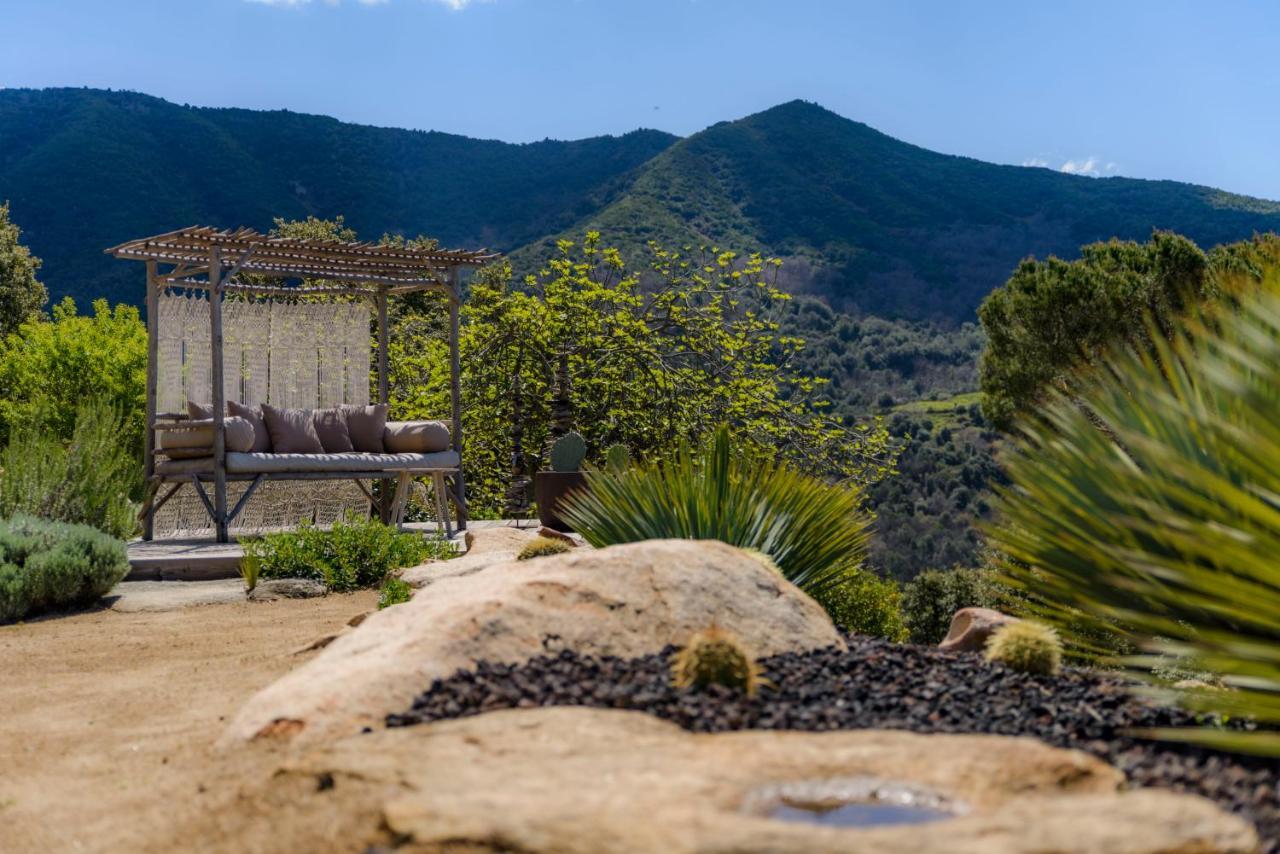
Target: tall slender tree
{"points": [[21, 294]]}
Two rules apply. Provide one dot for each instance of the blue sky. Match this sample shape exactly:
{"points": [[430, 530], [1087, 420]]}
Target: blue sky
{"points": [[1182, 90]]}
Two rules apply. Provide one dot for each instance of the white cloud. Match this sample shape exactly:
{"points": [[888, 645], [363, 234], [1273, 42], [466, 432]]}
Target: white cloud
{"points": [[1092, 166], [1088, 166]]}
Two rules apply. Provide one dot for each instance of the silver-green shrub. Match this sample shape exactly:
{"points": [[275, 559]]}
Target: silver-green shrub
{"points": [[47, 566]]}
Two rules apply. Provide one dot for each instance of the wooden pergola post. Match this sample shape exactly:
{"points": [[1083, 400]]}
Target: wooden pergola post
{"points": [[455, 384], [219, 394], [149, 435]]}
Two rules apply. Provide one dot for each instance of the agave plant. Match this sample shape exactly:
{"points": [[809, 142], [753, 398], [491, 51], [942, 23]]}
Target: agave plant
{"points": [[815, 532], [1147, 509]]}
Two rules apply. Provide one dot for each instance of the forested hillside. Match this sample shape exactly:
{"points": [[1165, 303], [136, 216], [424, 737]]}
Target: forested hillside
{"points": [[85, 169]]}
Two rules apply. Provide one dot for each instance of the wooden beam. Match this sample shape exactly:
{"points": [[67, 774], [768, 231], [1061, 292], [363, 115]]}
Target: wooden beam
{"points": [[149, 435], [286, 290], [235, 269], [219, 396], [455, 380]]}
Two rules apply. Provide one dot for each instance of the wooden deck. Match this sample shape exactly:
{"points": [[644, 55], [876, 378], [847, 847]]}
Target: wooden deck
{"points": [[205, 560]]}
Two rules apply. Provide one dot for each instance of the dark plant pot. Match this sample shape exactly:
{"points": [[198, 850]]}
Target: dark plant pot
{"points": [[549, 487]]}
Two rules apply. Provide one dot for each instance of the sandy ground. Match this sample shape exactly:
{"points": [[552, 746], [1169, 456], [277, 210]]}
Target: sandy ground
{"points": [[108, 719]]}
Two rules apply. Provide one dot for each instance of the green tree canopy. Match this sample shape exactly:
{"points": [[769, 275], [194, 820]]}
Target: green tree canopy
{"points": [[1054, 318], [21, 294]]}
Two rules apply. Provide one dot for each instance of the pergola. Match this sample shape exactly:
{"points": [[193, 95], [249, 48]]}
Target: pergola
{"points": [[216, 262]]}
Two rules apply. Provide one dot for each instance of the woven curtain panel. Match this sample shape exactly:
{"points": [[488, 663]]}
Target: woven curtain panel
{"points": [[295, 355]]}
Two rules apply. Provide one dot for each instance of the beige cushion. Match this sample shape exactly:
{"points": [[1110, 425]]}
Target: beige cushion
{"points": [[197, 440], [253, 414], [415, 437], [365, 424], [331, 427], [293, 431]]}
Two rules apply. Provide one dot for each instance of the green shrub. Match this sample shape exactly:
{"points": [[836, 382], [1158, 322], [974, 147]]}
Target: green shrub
{"points": [[714, 656], [815, 532], [866, 604], [1144, 508], [86, 481], [49, 565], [542, 546], [931, 599], [1026, 646], [394, 592], [355, 554]]}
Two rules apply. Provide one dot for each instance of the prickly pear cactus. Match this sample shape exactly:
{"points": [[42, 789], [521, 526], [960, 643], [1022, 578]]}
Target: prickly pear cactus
{"points": [[568, 452]]}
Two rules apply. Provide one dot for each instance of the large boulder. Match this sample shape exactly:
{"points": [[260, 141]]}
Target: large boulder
{"points": [[576, 781], [626, 601], [971, 628]]}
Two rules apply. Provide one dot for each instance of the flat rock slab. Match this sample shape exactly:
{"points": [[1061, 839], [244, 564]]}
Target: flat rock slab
{"points": [[574, 781], [625, 601], [135, 596]]}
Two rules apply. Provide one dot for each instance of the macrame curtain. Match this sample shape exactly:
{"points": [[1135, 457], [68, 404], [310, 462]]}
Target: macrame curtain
{"points": [[294, 355]]}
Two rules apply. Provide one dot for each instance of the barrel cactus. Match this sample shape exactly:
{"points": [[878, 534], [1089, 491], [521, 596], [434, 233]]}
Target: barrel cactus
{"points": [[568, 452], [715, 656], [1026, 646], [541, 547]]}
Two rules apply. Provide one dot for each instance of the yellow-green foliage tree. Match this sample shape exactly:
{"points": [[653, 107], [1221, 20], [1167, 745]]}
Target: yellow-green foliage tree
{"points": [[50, 368], [654, 357]]}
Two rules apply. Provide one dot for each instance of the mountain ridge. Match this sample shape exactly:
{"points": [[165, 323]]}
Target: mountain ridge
{"points": [[879, 226], [871, 224]]}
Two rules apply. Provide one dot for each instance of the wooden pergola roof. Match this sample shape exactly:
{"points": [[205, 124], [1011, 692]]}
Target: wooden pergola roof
{"points": [[395, 269]]}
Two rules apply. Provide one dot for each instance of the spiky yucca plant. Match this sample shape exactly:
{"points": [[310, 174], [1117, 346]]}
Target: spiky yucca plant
{"points": [[1147, 509], [815, 532], [1026, 646], [541, 546], [715, 656]]}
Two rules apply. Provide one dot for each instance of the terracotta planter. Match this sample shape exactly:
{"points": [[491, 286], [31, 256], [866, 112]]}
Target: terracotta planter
{"points": [[551, 486]]}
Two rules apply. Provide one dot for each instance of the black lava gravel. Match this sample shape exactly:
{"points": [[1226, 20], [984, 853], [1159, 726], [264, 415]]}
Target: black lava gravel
{"points": [[875, 684]]}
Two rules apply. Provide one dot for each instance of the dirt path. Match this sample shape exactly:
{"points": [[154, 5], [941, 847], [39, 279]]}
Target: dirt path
{"points": [[107, 719]]}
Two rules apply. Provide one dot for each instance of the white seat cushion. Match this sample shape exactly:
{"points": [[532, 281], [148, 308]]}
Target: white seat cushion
{"points": [[252, 463], [350, 461]]}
